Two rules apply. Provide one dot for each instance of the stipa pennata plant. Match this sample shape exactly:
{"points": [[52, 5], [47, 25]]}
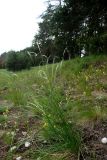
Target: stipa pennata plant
{"points": [[15, 91], [17, 96], [56, 127]]}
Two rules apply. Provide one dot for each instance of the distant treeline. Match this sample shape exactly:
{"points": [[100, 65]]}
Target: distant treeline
{"points": [[66, 29], [18, 60]]}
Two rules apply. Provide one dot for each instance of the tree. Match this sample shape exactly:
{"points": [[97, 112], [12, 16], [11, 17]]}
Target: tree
{"points": [[17, 61], [11, 61], [75, 25]]}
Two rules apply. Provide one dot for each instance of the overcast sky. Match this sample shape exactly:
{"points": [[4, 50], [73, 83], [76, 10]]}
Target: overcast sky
{"points": [[18, 23]]}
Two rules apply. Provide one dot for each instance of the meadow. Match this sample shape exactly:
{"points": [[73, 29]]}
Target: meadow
{"points": [[58, 110]]}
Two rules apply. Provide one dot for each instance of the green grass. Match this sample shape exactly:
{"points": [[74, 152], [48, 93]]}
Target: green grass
{"points": [[64, 96]]}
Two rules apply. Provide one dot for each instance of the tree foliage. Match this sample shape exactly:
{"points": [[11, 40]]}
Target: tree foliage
{"points": [[17, 61], [76, 24]]}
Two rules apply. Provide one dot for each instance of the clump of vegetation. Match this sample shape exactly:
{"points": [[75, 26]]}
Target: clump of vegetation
{"points": [[56, 127], [17, 61]]}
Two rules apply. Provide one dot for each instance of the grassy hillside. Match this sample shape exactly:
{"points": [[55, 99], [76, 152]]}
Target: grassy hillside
{"points": [[60, 109]]}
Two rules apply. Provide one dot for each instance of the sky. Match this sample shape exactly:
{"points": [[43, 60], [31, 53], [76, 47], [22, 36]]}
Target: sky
{"points": [[18, 23]]}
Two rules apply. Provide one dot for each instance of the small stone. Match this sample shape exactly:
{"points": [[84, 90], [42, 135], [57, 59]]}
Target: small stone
{"points": [[104, 140], [24, 133], [19, 158], [27, 144], [44, 141]]}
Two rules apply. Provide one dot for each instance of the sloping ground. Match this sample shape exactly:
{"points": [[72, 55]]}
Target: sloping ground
{"points": [[89, 94], [83, 85]]}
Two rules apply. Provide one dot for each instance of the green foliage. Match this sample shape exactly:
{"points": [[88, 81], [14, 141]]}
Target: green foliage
{"points": [[17, 61], [2, 109], [16, 96], [75, 24], [56, 127], [3, 119], [8, 138]]}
